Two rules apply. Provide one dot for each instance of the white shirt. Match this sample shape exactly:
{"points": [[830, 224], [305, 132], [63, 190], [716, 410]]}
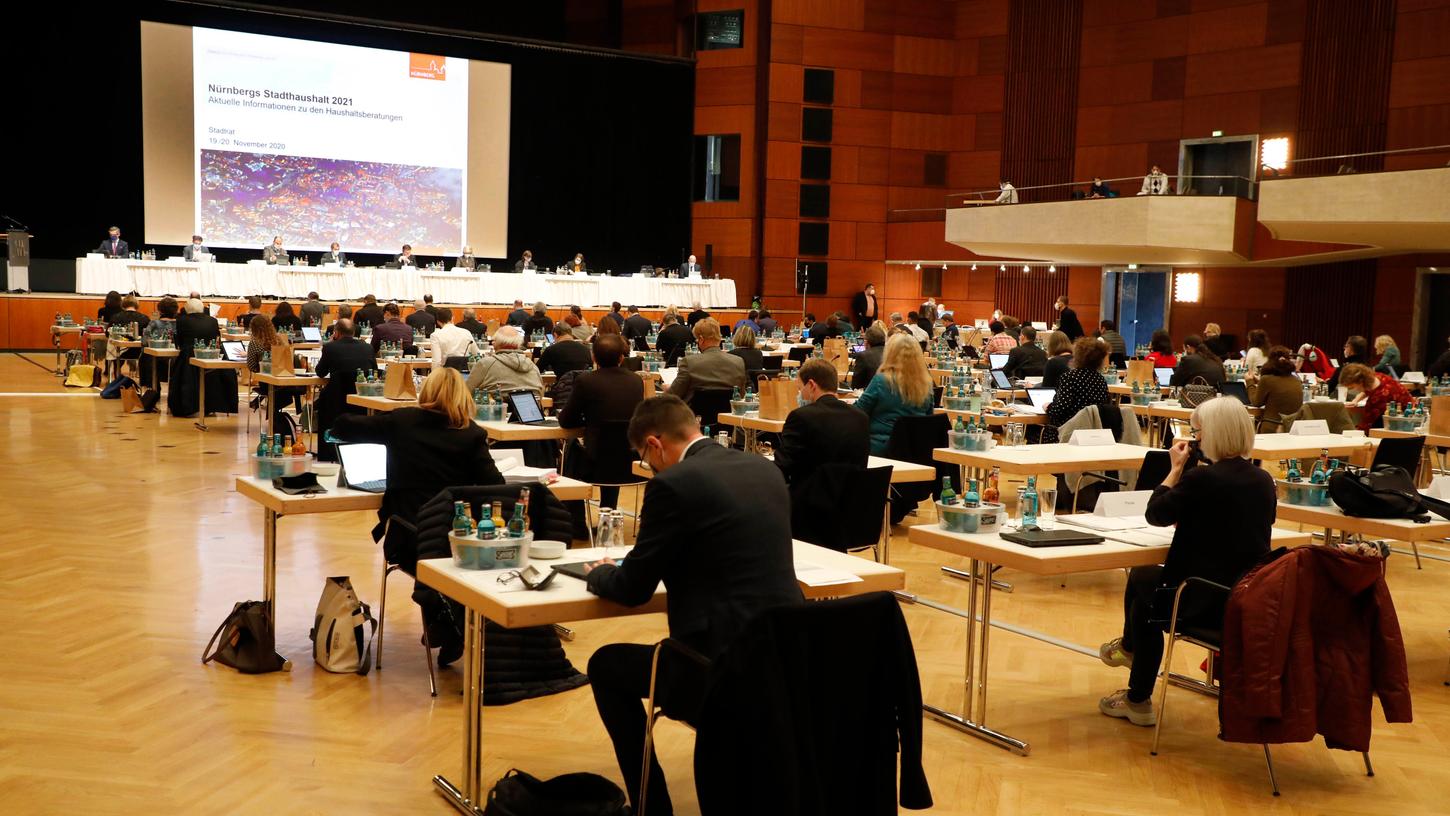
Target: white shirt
{"points": [[1008, 196], [451, 341], [917, 332]]}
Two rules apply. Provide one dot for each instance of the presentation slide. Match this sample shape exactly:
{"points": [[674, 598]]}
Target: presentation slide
{"points": [[319, 142]]}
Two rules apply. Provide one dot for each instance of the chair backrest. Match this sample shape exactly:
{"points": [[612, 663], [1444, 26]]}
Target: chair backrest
{"points": [[610, 456], [773, 362], [841, 506], [804, 659], [709, 403], [458, 361], [1402, 452], [1156, 465], [753, 375], [913, 438], [800, 354], [633, 363]]}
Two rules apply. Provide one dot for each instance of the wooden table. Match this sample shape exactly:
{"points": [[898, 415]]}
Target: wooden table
{"points": [[565, 600], [276, 504], [1161, 413], [1274, 446], [160, 354], [275, 381], [995, 420], [1331, 518], [57, 332], [1126, 389], [900, 471], [1057, 457], [1435, 445], [205, 366], [986, 552], [752, 425], [519, 432]]}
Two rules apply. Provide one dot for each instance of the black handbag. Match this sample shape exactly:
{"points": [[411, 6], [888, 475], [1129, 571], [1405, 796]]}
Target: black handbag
{"points": [[1385, 492], [575, 794], [247, 642]]}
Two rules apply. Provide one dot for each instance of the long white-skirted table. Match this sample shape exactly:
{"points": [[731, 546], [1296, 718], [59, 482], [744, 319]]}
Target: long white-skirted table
{"points": [[96, 275], [567, 599]]}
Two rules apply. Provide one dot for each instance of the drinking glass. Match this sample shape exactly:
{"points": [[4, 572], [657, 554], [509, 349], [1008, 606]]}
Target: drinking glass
{"points": [[1021, 505], [1047, 507]]}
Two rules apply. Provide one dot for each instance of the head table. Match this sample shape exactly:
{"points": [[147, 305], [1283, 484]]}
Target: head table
{"points": [[97, 275]]}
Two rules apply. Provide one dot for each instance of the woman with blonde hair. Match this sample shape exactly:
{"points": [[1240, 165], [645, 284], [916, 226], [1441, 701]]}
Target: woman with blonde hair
{"points": [[1207, 543], [264, 336], [430, 447], [1389, 353], [744, 340], [902, 387]]}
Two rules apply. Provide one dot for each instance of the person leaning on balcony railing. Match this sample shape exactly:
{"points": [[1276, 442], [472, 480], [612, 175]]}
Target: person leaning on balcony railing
{"points": [[1009, 193], [1155, 183]]}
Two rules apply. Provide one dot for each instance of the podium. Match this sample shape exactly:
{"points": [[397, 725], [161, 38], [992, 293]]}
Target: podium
{"points": [[18, 245]]}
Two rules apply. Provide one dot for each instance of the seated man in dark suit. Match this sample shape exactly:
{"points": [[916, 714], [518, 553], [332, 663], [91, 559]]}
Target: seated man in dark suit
{"points": [[608, 394], [869, 359], [342, 358], [636, 329], [422, 320], [518, 316], [470, 323], [824, 432], [711, 368], [673, 339], [393, 330], [696, 315], [1027, 360], [370, 312], [113, 246], [713, 528]]}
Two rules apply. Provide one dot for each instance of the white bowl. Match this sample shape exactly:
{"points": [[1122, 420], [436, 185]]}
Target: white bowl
{"points": [[547, 550], [325, 468]]}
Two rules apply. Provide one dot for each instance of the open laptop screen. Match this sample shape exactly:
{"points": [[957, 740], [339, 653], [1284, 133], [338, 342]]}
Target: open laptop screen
{"points": [[526, 405], [997, 360], [364, 462], [235, 350], [1001, 380], [1164, 375], [311, 334], [1041, 397]]}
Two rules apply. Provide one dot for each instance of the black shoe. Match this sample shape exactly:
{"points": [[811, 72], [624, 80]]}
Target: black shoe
{"points": [[449, 652]]}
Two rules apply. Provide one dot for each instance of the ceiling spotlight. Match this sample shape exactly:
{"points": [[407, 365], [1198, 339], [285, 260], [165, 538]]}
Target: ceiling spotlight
{"points": [[1026, 268], [943, 267], [974, 268], [918, 267], [1002, 268], [1052, 268], [1132, 266]]}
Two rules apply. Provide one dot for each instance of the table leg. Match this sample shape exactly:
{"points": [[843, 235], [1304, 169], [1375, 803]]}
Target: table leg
{"points": [[267, 410], [201, 394], [972, 720], [470, 798], [269, 564]]}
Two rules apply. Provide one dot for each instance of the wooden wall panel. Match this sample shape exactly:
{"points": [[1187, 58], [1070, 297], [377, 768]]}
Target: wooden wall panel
{"points": [[1044, 40], [1344, 97], [1330, 302], [1251, 69], [1029, 296]]}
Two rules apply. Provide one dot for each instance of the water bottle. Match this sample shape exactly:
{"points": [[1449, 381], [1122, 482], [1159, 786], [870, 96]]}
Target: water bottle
{"points": [[1029, 504], [462, 524]]}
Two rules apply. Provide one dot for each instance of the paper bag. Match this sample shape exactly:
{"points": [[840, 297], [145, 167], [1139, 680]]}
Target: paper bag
{"points": [[281, 358], [649, 385], [399, 382], [1440, 416], [130, 400], [491, 326], [777, 397], [1140, 371], [836, 353]]}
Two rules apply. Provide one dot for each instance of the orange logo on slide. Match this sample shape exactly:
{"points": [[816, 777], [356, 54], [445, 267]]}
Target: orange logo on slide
{"points": [[426, 66]]}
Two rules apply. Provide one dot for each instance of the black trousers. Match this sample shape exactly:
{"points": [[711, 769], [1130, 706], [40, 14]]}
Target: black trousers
{"points": [[619, 675], [1142, 637]]}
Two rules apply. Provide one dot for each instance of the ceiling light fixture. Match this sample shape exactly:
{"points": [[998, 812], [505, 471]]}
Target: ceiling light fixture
{"points": [[918, 267], [1052, 269], [974, 268], [1002, 268], [1026, 268]]}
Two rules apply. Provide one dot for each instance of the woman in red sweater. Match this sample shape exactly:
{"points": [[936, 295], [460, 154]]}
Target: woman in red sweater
{"points": [[1376, 392], [1161, 351]]}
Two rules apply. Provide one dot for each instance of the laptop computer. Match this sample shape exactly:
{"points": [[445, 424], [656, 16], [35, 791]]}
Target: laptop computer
{"points": [[1235, 389], [235, 350], [525, 409], [997, 360], [1164, 375], [1041, 397], [364, 467], [1001, 380], [1052, 538], [311, 334]]}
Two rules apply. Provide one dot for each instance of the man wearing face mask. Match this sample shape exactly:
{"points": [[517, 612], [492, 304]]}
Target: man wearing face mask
{"points": [[692, 267], [113, 246], [526, 263], [334, 254], [577, 266], [1067, 321], [273, 253], [195, 249], [713, 528]]}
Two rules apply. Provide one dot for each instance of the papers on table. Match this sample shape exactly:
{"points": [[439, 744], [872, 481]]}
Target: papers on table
{"points": [[514, 470], [1133, 530], [1024, 408], [667, 376], [815, 575], [1092, 522]]}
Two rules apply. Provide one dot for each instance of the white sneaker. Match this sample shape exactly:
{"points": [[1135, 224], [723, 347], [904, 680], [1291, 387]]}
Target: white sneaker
{"points": [[1117, 704], [1113, 654]]}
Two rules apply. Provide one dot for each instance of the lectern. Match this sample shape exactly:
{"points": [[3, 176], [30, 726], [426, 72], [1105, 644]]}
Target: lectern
{"points": [[18, 243]]}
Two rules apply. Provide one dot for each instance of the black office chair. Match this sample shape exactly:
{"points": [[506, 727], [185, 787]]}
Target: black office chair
{"points": [[912, 440], [843, 507], [709, 403], [800, 354], [458, 361], [609, 463], [1404, 453], [753, 375], [1156, 465], [633, 363], [1118, 359], [773, 363]]}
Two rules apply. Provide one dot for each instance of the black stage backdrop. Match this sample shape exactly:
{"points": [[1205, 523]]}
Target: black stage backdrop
{"points": [[600, 143]]}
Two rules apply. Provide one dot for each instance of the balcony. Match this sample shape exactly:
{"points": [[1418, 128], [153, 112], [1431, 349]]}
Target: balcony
{"points": [[1397, 211], [1167, 230]]}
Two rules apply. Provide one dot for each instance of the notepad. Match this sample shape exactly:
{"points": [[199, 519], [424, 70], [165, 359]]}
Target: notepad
{"points": [[815, 575], [1092, 522]]}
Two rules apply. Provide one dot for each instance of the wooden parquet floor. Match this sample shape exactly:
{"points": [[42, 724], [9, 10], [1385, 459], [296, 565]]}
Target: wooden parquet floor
{"points": [[122, 546]]}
